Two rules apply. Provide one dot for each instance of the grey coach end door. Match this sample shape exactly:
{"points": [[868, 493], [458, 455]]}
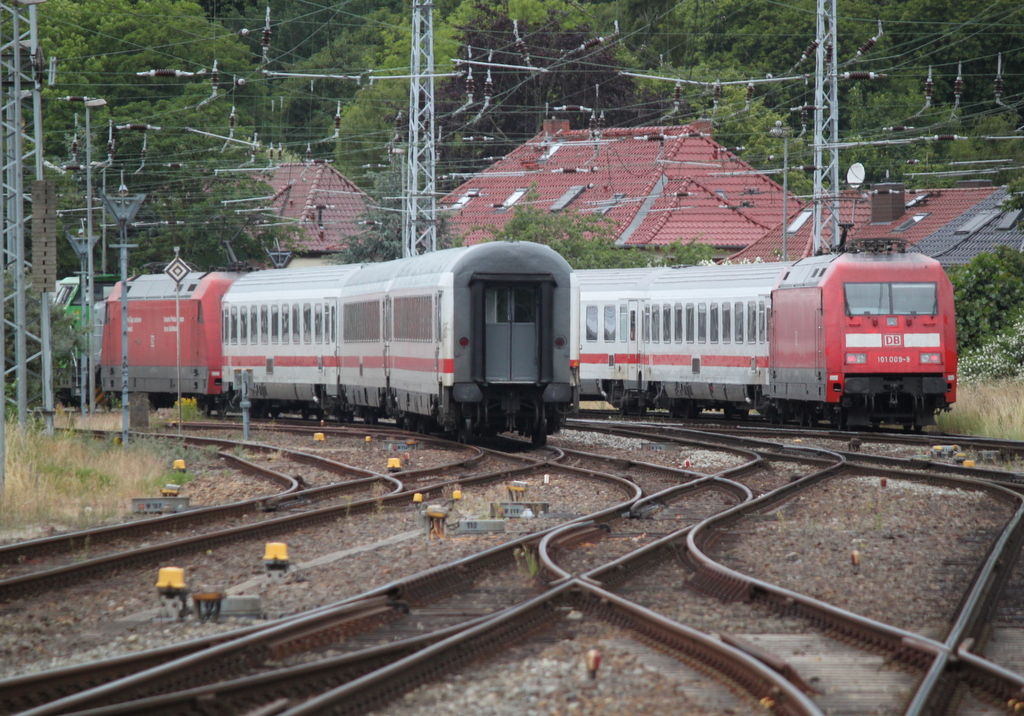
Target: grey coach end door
{"points": [[510, 341]]}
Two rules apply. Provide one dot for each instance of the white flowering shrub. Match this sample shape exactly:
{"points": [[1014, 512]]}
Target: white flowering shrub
{"points": [[999, 358]]}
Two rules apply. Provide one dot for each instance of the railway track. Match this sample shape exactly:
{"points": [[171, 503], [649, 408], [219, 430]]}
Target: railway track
{"points": [[359, 654]]}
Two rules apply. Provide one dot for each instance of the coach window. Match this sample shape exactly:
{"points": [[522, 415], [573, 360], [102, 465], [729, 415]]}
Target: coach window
{"points": [[656, 324], [609, 324], [666, 323], [751, 322], [234, 325], [647, 324], [592, 323], [296, 326], [760, 321], [286, 325], [726, 322], [243, 325], [225, 324], [702, 322], [714, 323], [334, 324], [679, 322], [275, 324], [318, 324], [623, 323], [264, 325], [254, 335], [307, 323], [689, 323], [738, 322]]}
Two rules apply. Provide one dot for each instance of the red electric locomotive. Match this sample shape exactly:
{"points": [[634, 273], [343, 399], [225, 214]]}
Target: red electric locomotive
{"points": [[152, 347], [862, 339]]}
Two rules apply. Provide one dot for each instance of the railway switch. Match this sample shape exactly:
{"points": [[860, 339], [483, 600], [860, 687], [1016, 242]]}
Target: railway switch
{"points": [[275, 560], [170, 585], [517, 490], [318, 437]]}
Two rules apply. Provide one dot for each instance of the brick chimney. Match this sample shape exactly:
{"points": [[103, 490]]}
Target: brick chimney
{"points": [[887, 203], [554, 126]]}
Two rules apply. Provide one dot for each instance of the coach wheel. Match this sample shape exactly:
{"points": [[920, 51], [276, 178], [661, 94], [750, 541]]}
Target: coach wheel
{"points": [[466, 430]]}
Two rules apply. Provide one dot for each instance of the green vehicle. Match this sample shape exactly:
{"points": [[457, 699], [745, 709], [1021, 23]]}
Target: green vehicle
{"points": [[68, 297]]}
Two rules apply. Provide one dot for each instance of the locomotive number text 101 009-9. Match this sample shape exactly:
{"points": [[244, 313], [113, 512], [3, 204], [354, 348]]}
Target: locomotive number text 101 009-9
{"points": [[893, 359]]}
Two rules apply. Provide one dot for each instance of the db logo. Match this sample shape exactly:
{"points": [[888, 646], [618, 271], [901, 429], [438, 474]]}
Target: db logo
{"points": [[892, 339]]}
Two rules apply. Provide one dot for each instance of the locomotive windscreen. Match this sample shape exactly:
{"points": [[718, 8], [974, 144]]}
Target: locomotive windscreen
{"points": [[891, 299]]}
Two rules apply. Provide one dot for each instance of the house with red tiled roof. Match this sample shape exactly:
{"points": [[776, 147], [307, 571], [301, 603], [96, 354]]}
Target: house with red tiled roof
{"points": [[658, 184], [883, 212], [324, 203]]}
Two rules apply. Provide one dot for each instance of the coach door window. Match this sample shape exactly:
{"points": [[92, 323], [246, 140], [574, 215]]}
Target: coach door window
{"points": [[234, 325], [318, 324], [714, 323], [647, 324], [632, 325], [510, 333], [264, 325], [702, 322], [726, 323], [689, 323], [591, 322], [307, 323], [751, 322], [655, 324], [623, 323], [738, 322], [609, 324], [296, 326], [286, 325], [760, 322], [275, 324]]}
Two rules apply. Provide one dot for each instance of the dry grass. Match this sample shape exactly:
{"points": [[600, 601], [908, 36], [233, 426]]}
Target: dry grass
{"points": [[69, 481], [994, 410]]}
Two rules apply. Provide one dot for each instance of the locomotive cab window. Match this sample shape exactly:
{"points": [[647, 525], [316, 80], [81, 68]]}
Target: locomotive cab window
{"points": [[891, 299], [609, 324], [591, 323]]}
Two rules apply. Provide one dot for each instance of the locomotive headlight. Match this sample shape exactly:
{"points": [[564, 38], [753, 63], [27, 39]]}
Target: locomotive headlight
{"points": [[931, 358], [856, 359]]}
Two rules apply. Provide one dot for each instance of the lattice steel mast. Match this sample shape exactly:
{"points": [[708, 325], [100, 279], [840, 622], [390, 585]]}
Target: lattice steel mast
{"points": [[419, 220], [826, 125]]}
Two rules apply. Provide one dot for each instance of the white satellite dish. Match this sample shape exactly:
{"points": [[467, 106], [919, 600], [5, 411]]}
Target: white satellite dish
{"points": [[855, 175]]}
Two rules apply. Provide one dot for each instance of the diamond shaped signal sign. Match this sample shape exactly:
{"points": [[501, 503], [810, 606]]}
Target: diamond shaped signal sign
{"points": [[177, 269]]}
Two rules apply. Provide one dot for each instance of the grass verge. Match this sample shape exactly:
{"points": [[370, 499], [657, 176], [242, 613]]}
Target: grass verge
{"points": [[994, 410], [69, 481]]}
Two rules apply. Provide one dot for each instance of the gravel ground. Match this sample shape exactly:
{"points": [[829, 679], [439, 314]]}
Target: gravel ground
{"points": [[919, 547], [547, 675], [71, 626], [701, 460]]}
